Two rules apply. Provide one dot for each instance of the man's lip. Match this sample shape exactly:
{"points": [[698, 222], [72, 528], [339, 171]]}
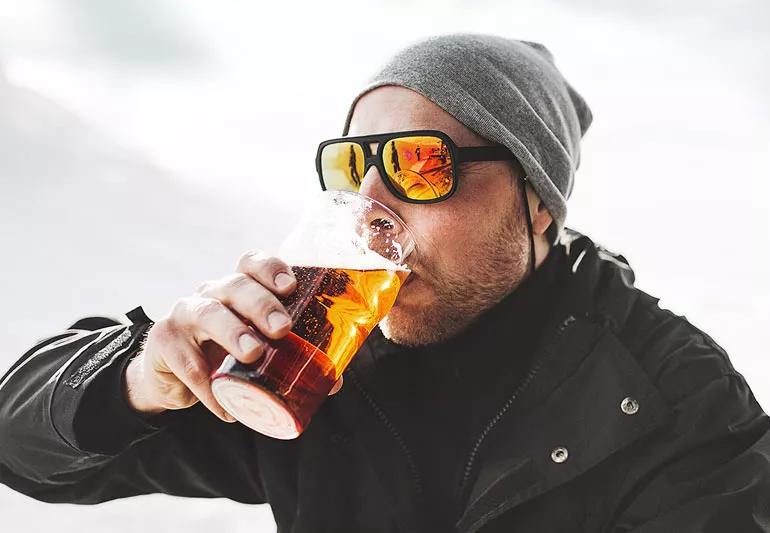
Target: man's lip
{"points": [[409, 278]]}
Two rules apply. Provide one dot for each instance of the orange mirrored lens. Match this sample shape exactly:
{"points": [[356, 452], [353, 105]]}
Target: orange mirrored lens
{"points": [[342, 166], [419, 167]]}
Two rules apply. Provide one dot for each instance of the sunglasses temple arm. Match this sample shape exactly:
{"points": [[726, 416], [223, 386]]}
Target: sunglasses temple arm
{"points": [[484, 153]]}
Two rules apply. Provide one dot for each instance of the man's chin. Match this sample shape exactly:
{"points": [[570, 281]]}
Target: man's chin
{"points": [[398, 324], [397, 328], [406, 322]]}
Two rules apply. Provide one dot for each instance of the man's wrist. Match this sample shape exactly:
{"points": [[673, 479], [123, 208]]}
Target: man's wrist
{"points": [[102, 421], [132, 389]]}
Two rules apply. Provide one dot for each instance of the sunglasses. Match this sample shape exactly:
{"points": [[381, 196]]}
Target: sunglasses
{"points": [[418, 166]]}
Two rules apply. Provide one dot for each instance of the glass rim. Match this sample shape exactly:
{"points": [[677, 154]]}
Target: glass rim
{"points": [[411, 245]]}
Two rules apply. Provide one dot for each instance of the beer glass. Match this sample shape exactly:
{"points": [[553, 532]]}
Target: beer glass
{"points": [[348, 253]]}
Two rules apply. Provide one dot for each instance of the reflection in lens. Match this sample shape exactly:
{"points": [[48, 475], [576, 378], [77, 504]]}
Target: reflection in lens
{"points": [[419, 167], [342, 166]]}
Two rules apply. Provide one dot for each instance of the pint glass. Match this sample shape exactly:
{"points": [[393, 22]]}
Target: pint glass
{"points": [[348, 253]]}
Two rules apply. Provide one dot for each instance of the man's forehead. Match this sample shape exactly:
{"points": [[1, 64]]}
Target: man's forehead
{"points": [[394, 108]]}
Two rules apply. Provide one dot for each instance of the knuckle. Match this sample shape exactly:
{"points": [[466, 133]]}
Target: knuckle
{"points": [[160, 332], [193, 369], [272, 264], [179, 308], [265, 266], [236, 281], [183, 311], [247, 260], [204, 288], [205, 307]]}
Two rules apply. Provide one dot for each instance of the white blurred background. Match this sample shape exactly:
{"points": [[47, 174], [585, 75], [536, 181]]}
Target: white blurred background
{"points": [[145, 145]]}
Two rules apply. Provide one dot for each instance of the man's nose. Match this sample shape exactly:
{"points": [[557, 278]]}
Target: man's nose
{"points": [[373, 187]]}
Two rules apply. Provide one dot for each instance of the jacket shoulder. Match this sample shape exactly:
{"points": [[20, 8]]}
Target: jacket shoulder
{"points": [[716, 441], [679, 357], [675, 354], [706, 467], [716, 438]]}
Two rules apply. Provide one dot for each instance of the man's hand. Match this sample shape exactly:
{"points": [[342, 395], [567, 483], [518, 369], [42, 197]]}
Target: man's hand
{"points": [[181, 350]]}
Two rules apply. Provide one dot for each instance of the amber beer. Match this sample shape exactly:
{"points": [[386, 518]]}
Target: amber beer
{"points": [[333, 310], [340, 308]]}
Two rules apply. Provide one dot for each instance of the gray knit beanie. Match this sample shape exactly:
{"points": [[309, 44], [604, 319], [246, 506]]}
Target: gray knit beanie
{"points": [[507, 91]]}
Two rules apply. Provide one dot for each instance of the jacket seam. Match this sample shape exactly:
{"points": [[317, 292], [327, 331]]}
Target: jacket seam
{"points": [[694, 331]]}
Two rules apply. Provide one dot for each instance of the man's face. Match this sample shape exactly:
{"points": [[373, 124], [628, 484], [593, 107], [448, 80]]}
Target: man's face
{"points": [[472, 249]]}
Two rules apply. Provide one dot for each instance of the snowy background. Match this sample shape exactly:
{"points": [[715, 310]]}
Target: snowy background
{"points": [[145, 145]]}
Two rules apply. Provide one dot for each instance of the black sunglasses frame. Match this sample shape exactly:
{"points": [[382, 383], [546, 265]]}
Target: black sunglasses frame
{"points": [[457, 154]]}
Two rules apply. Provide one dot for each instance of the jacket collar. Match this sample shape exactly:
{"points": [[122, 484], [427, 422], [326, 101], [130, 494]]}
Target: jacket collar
{"points": [[580, 375], [573, 402]]}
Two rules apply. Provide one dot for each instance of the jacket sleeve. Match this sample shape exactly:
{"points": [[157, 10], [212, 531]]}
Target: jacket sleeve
{"points": [[67, 433], [711, 470]]}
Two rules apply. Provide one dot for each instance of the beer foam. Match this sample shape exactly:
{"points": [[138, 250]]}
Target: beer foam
{"points": [[347, 230], [367, 260]]}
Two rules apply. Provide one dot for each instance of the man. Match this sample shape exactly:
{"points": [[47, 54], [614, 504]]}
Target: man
{"points": [[520, 382]]}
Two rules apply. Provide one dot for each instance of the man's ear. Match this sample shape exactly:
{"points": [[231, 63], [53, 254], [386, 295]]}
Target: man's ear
{"points": [[541, 218]]}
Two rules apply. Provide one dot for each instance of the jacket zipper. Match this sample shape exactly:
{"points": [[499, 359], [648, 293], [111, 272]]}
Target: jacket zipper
{"points": [[507, 405], [416, 479], [399, 439]]}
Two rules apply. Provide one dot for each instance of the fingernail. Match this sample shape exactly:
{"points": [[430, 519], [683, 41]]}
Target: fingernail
{"points": [[283, 280], [247, 343], [229, 418], [336, 387], [277, 320]]}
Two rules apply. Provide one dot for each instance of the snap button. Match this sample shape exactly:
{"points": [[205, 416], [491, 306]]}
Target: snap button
{"points": [[559, 454], [629, 406]]}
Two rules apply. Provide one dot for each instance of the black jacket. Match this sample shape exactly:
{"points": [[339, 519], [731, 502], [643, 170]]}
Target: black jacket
{"points": [[628, 419]]}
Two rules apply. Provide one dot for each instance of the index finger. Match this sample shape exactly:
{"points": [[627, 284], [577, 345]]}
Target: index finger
{"points": [[271, 272]]}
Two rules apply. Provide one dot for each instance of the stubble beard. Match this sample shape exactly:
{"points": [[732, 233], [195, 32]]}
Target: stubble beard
{"points": [[495, 266]]}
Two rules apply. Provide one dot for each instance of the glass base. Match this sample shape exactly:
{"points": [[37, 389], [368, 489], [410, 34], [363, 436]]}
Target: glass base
{"points": [[255, 407]]}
